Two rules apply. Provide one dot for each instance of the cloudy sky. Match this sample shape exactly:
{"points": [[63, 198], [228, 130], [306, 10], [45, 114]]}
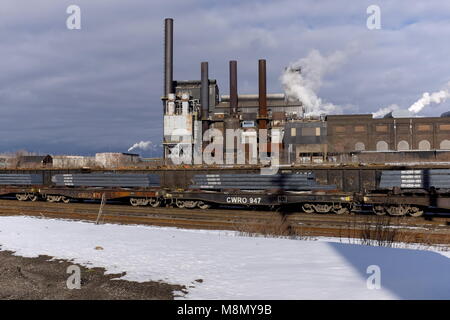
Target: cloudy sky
{"points": [[98, 89]]}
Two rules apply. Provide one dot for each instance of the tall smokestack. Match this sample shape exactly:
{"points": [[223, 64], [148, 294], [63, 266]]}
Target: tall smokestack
{"points": [[262, 94], [233, 88], [204, 91], [204, 95], [168, 57], [232, 122]]}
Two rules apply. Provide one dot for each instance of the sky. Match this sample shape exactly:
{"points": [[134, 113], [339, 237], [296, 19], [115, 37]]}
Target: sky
{"points": [[98, 89]]}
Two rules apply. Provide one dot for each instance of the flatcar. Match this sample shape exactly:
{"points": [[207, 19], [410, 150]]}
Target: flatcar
{"points": [[395, 191]]}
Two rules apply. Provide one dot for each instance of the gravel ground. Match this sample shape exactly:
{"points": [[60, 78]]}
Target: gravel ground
{"points": [[39, 278]]}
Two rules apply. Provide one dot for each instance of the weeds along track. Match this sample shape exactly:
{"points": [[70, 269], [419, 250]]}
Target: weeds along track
{"points": [[432, 230]]}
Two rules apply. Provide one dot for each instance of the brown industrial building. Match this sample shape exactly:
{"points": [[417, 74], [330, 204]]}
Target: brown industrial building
{"points": [[363, 133]]}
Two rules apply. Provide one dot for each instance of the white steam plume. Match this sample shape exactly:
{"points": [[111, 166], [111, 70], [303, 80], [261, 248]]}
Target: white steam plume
{"points": [[427, 98], [143, 145], [384, 111], [303, 78], [419, 105]]}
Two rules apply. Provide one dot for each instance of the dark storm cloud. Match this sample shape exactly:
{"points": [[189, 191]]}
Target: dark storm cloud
{"points": [[99, 88]]}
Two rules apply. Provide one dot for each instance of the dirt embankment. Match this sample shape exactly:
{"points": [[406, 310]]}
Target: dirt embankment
{"points": [[39, 278]]}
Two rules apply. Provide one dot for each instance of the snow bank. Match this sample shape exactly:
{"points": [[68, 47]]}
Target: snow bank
{"points": [[233, 267]]}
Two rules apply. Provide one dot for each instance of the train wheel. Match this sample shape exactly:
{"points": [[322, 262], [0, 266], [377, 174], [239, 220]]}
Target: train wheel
{"points": [[65, 199], [32, 197], [154, 202], [397, 210], [202, 205], [415, 212], [308, 208], [323, 208], [51, 198], [179, 203], [190, 204], [134, 202], [21, 197], [379, 210], [339, 209]]}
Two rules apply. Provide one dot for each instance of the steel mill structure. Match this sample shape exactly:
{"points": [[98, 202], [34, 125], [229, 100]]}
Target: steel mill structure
{"points": [[193, 107]]}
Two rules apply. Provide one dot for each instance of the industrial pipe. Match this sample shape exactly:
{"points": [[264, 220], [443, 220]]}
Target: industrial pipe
{"points": [[262, 94], [168, 57], [204, 91], [233, 88], [204, 95]]}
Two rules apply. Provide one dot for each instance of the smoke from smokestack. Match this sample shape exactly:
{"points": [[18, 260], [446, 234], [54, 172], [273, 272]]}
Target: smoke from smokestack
{"points": [[303, 79], [419, 105], [427, 98], [384, 111], [143, 145]]}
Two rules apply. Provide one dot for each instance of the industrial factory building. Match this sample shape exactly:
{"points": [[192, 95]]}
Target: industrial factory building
{"points": [[193, 107]]}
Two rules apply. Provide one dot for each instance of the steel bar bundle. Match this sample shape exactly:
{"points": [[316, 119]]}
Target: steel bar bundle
{"points": [[106, 180], [20, 179], [437, 178], [304, 181]]}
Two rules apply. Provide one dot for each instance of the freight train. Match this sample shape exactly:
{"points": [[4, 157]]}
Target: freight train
{"points": [[395, 191]]}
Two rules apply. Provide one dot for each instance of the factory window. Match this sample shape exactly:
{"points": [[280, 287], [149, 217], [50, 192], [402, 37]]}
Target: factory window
{"points": [[403, 145], [445, 145], [444, 127], [359, 146], [382, 146], [424, 127], [178, 109], [308, 132], [339, 129], [293, 132], [360, 128], [424, 145], [382, 128]]}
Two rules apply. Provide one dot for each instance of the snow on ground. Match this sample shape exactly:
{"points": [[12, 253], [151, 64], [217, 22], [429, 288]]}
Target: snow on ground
{"points": [[232, 266]]}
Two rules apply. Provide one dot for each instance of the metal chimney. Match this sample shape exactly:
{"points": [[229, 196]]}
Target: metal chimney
{"points": [[204, 95], [168, 57], [232, 122], [262, 94], [233, 88]]}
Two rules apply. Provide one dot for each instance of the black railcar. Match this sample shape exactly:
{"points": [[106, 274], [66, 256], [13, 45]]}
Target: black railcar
{"points": [[353, 186]]}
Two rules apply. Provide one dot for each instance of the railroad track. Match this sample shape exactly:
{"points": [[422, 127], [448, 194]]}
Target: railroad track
{"points": [[241, 215], [431, 230]]}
